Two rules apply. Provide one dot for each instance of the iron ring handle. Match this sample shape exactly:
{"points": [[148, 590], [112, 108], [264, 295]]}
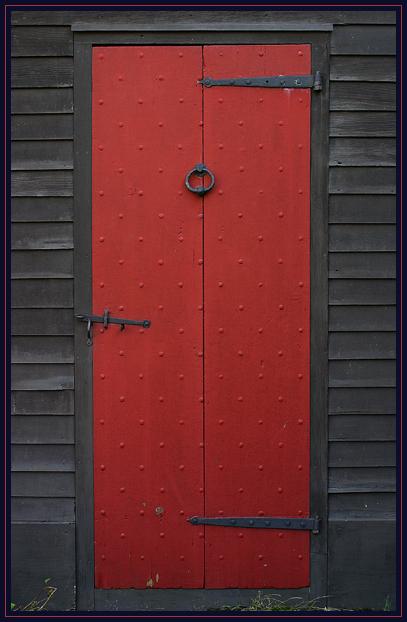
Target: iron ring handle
{"points": [[200, 170]]}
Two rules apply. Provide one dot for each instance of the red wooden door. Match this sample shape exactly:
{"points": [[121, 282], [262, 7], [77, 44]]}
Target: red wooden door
{"points": [[206, 413]]}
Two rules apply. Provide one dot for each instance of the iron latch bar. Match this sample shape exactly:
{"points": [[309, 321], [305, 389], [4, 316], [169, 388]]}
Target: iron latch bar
{"points": [[106, 319], [255, 522], [270, 82]]}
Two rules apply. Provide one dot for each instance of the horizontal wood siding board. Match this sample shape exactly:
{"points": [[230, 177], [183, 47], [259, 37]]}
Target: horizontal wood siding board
{"points": [[359, 454], [42, 429], [42, 322], [362, 152], [361, 318], [355, 373], [369, 40], [362, 124], [363, 68], [43, 485], [362, 345], [31, 403], [43, 458], [41, 236], [42, 127], [42, 349], [42, 209], [42, 510], [41, 72], [362, 292], [362, 505], [362, 428], [37, 155], [362, 237], [362, 180], [41, 41], [45, 377], [354, 96], [42, 294], [42, 264], [362, 401], [41, 101], [362, 265], [368, 479], [357, 208], [42, 184]]}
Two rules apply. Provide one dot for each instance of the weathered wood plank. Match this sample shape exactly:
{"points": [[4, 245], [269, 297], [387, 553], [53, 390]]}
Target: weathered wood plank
{"points": [[362, 180], [41, 101], [368, 345], [362, 237], [41, 264], [42, 127], [368, 505], [363, 68], [43, 485], [42, 349], [370, 479], [362, 265], [42, 322], [42, 403], [32, 510], [362, 152], [359, 454], [42, 294], [369, 40], [41, 236], [42, 209], [45, 377], [41, 72], [362, 292], [362, 208], [363, 96], [41, 41], [362, 401], [362, 318], [42, 429], [42, 184], [45, 458], [362, 124], [362, 428], [37, 155], [362, 373]]}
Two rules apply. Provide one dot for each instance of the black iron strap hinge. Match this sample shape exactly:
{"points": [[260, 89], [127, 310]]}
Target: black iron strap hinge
{"points": [[106, 319], [254, 522], [270, 82]]}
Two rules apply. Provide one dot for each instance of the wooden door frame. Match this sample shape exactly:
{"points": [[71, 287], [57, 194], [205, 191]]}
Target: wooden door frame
{"points": [[85, 37]]}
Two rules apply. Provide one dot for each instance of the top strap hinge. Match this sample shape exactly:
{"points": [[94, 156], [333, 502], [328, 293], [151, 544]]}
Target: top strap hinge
{"points": [[270, 82]]}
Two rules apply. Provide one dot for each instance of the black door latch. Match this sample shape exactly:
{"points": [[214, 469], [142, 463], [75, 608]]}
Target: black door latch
{"points": [[106, 319]]}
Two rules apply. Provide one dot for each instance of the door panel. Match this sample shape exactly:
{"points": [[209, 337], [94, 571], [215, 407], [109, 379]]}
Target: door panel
{"points": [[256, 287]]}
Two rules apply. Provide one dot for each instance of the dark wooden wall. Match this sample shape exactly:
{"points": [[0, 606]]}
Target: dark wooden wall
{"points": [[362, 265]]}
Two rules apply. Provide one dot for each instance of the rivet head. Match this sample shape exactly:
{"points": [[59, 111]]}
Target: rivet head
{"points": [[300, 556], [101, 102], [141, 467], [260, 422], [181, 422], [102, 467], [220, 376], [240, 353], [141, 421], [101, 239], [102, 376], [279, 490], [140, 101], [300, 376], [221, 557], [181, 100], [241, 307], [182, 557], [181, 467], [260, 238], [241, 490], [260, 467], [122, 489], [301, 284], [300, 421], [240, 398], [261, 375], [121, 398], [220, 467], [103, 512], [162, 444], [299, 467], [181, 331], [240, 215], [221, 330], [221, 421], [241, 444], [181, 376], [220, 284], [280, 398], [281, 444], [121, 445], [121, 124], [162, 534], [281, 307]]}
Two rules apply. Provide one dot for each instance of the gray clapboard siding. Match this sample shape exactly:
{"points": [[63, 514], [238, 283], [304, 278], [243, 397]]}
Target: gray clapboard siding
{"points": [[34, 155], [44, 377], [361, 318], [42, 322], [42, 184], [362, 152], [362, 505], [362, 180], [42, 73], [369, 40], [362, 292], [369, 345], [41, 101], [30, 403], [359, 265], [363, 68], [42, 293], [369, 479], [41, 236], [367, 208], [380, 96], [359, 454], [362, 428], [355, 373], [41, 264], [42, 209], [42, 429], [43, 41], [43, 485], [362, 124], [42, 127], [42, 510], [362, 237], [50, 458], [42, 349], [362, 401]]}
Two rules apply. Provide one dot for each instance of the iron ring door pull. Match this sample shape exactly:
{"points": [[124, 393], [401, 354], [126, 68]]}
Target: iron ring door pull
{"points": [[200, 170]]}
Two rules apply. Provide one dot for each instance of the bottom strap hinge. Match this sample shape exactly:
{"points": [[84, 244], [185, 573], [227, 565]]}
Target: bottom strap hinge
{"points": [[255, 522]]}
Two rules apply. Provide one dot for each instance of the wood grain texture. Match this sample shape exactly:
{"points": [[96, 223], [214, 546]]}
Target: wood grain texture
{"points": [[365, 479], [362, 292], [42, 264], [371, 208], [362, 180], [41, 101], [363, 96], [362, 152], [362, 237], [41, 236], [36, 155], [362, 401], [362, 506], [42, 127], [45, 377], [369, 40], [359, 454], [362, 318], [41, 209], [42, 322], [42, 294], [43, 41], [42, 510], [41, 184], [368, 345], [42, 458], [362, 428], [361, 265], [39, 485], [42, 429], [41, 72], [346, 123], [363, 68], [42, 403], [373, 373], [42, 349]]}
